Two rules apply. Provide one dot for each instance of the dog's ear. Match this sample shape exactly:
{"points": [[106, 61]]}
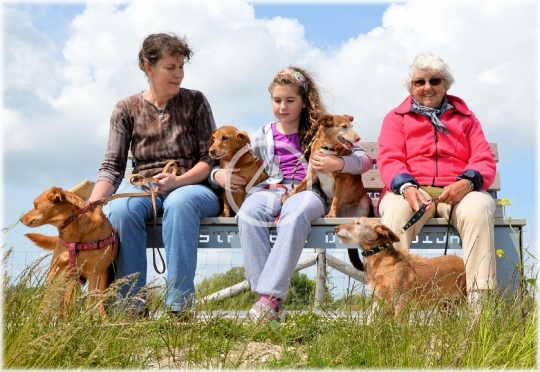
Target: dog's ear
{"points": [[74, 199], [385, 231], [243, 137], [326, 120], [349, 117], [56, 195], [211, 141]]}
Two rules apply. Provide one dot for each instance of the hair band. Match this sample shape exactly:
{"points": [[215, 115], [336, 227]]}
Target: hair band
{"points": [[300, 79]]}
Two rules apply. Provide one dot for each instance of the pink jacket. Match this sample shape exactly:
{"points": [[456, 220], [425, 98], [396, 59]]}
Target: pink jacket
{"points": [[411, 150]]}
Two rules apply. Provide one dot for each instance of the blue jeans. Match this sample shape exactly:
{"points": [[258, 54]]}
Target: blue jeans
{"points": [[182, 210]]}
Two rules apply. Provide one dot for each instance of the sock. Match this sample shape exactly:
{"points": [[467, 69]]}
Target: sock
{"points": [[273, 302]]}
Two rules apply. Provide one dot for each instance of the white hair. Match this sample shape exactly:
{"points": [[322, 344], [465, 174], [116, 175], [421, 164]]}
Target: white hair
{"points": [[429, 62]]}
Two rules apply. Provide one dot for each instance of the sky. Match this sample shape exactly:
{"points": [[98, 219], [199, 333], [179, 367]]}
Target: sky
{"points": [[66, 64]]}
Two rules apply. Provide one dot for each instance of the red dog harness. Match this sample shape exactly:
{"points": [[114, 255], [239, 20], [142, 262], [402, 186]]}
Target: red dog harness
{"points": [[74, 247]]}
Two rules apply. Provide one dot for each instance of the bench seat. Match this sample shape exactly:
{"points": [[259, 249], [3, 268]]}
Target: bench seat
{"points": [[222, 232]]}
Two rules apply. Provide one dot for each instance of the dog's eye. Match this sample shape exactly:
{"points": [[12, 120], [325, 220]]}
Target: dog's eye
{"points": [[224, 138]]}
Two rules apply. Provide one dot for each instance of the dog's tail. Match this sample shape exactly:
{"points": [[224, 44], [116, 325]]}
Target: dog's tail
{"points": [[43, 241], [355, 259]]}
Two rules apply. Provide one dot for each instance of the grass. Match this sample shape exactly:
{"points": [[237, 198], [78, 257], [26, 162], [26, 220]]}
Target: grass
{"points": [[504, 335]]}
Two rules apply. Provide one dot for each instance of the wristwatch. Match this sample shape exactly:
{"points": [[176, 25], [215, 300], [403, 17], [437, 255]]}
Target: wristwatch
{"points": [[471, 185]]}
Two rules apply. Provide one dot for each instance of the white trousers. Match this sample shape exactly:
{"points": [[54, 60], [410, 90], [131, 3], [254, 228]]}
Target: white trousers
{"points": [[473, 218]]}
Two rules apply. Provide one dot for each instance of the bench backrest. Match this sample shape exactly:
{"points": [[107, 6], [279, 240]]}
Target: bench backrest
{"points": [[374, 185]]}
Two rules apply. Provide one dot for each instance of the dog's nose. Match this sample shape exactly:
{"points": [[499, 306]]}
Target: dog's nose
{"points": [[336, 229]]}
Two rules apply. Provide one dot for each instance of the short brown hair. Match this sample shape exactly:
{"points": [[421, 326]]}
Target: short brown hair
{"points": [[155, 44]]}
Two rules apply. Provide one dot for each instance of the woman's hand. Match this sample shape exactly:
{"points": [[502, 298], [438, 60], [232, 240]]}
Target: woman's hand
{"points": [[415, 198], [229, 180], [166, 183], [326, 163], [454, 192]]}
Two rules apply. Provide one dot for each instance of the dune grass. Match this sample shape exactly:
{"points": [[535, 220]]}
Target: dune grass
{"points": [[503, 335]]}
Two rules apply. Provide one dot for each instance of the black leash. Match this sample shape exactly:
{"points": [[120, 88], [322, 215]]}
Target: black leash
{"points": [[419, 213], [448, 229]]}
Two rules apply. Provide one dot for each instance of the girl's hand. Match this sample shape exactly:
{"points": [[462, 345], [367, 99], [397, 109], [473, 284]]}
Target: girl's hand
{"points": [[229, 180], [326, 163]]}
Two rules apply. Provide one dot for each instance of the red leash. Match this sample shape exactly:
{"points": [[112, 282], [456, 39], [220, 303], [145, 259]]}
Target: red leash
{"points": [[277, 186]]}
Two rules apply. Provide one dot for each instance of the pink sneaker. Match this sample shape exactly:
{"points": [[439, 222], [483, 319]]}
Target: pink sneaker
{"points": [[264, 313]]}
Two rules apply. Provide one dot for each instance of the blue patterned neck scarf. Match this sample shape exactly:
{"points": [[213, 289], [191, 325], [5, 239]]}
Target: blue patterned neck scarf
{"points": [[432, 114]]}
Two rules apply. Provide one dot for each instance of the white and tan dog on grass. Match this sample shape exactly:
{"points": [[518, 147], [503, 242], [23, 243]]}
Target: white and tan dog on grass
{"points": [[396, 276]]}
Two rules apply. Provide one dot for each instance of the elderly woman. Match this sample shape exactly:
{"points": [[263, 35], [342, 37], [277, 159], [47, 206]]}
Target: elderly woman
{"points": [[160, 124], [432, 146]]}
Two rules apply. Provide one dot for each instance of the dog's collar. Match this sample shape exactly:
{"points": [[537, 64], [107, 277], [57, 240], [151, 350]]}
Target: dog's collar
{"points": [[249, 150], [377, 249], [328, 148]]}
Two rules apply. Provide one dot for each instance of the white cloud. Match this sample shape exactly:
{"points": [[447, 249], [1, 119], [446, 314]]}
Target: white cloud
{"points": [[56, 112], [488, 47]]}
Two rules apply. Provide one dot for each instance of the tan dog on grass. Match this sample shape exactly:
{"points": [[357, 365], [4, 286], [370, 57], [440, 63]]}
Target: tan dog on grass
{"points": [[54, 207], [344, 191], [397, 276], [231, 147]]}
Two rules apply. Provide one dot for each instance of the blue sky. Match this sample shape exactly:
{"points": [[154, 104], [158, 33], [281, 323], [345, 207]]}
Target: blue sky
{"points": [[66, 64], [341, 22]]}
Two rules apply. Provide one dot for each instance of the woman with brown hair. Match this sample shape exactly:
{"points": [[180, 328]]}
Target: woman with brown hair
{"points": [[163, 123]]}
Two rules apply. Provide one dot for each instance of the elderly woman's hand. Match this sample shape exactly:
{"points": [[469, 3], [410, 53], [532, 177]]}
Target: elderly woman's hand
{"points": [[454, 192], [415, 198]]}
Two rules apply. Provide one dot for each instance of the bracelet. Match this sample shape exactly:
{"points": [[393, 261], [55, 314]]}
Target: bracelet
{"points": [[405, 187]]}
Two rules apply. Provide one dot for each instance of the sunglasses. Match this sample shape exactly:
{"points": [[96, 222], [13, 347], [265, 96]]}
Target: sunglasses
{"points": [[433, 82]]}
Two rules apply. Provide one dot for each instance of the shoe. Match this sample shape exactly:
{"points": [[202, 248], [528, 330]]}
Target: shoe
{"points": [[264, 313]]}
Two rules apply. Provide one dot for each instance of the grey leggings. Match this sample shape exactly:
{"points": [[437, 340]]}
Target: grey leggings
{"points": [[269, 270]]}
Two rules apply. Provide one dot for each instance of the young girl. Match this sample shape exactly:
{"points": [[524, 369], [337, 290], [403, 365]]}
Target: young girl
{"points": [[283, 147]]}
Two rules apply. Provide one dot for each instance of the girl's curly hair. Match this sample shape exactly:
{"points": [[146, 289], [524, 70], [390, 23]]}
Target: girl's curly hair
{"points": [[311, 97]]}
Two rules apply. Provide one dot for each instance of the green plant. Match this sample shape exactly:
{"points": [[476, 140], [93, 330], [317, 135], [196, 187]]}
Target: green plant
{"points": [[526, 283], [503, 335]]}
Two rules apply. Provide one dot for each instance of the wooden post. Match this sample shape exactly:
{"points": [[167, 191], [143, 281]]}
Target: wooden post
{"points": [[243, 286], [320, 284], [346, 269]]}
